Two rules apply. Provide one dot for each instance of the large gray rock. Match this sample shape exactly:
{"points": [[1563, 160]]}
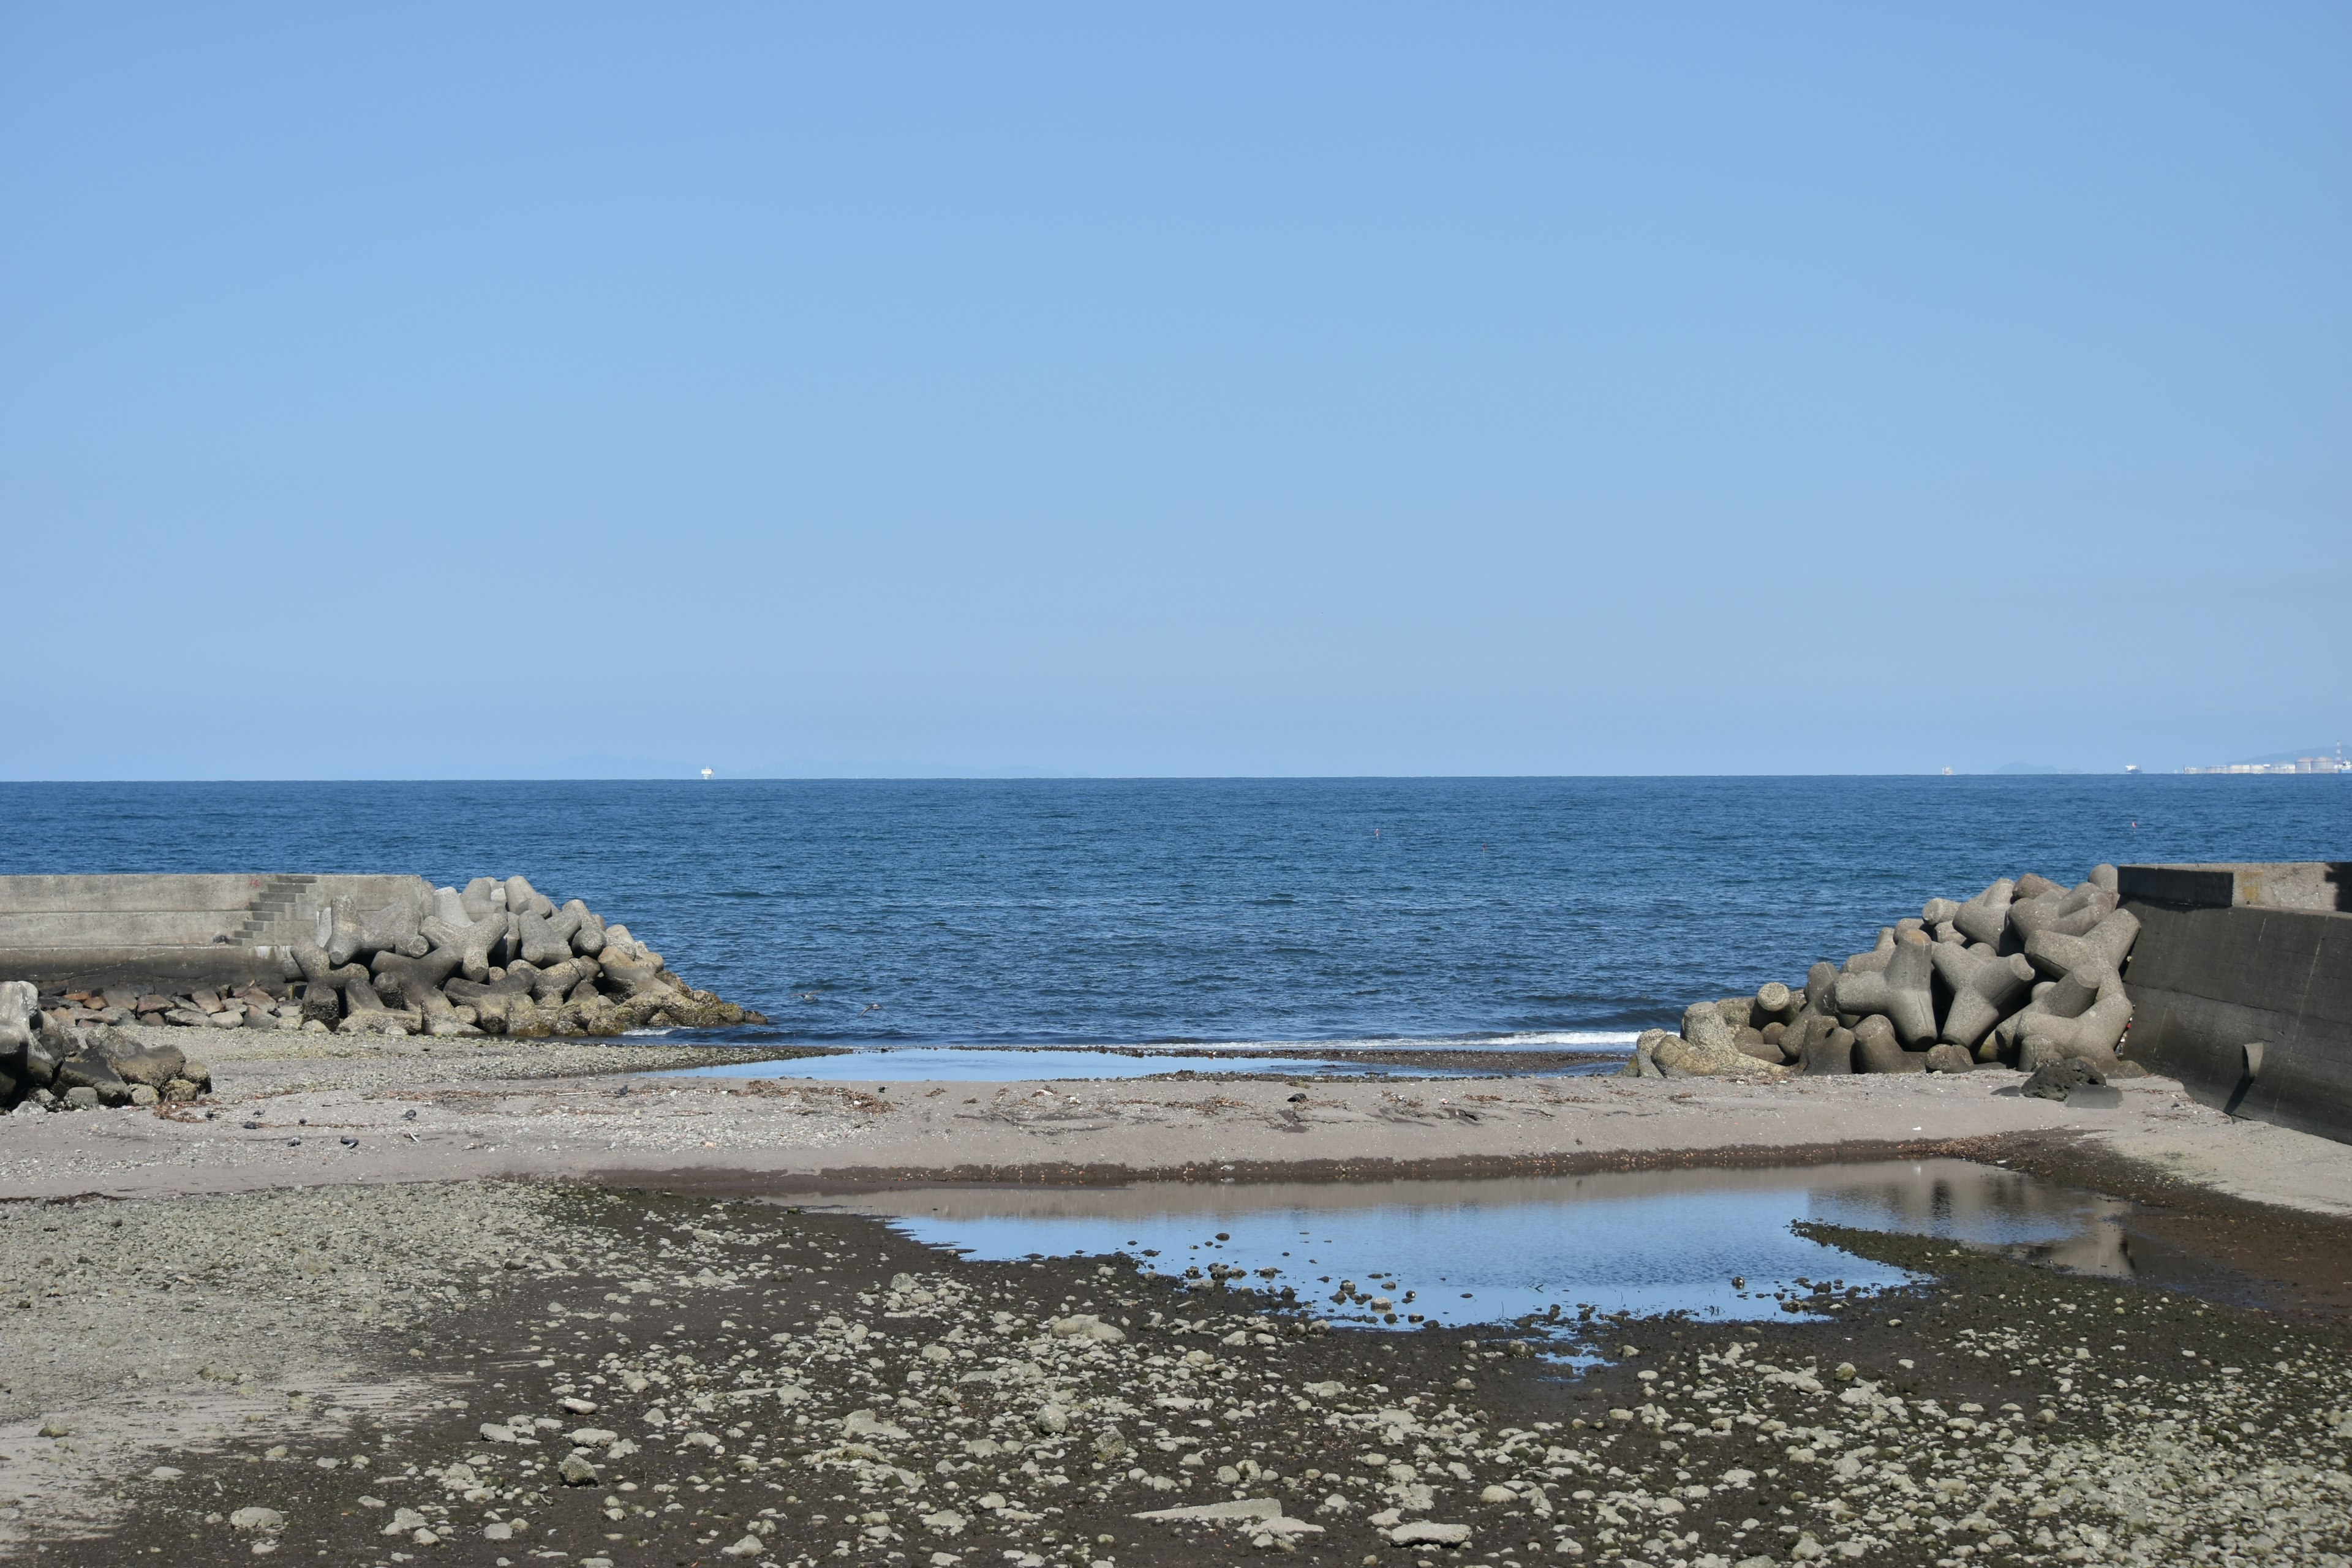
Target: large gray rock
{"points": [[1904, 990], [2056, 1080], [1774, 1003], [1949, 1058], [1985, 990], [20, 1004], [90, 1070], [136, 1063], [52, 1043]]}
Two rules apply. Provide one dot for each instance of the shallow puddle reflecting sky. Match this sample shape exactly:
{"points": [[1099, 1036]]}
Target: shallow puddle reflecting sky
{"points": [[1716, 1243]]}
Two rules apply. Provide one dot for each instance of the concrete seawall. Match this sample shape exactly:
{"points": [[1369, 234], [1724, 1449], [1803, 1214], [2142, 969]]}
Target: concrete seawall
{"points": [[174, 931], [2242, 988]]}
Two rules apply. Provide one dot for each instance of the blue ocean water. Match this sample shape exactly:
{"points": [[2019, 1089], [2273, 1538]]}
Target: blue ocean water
{"points": [[1134, 911]]}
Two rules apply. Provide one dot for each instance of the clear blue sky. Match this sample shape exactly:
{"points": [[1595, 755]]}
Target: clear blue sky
{"points": [[485, 390]]}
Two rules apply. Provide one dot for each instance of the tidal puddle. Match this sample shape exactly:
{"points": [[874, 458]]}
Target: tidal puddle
{"points": [[1014, 1064], [1714, 1244]]}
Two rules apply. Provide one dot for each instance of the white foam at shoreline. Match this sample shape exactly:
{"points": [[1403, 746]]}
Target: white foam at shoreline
{"points": [[1589, 1039]]}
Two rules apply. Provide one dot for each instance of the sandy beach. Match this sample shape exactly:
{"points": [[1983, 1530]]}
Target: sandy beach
{"points": [[374, 1284], [343, 1113]]}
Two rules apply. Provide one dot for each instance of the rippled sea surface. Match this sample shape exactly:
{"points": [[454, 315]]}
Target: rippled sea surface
{"points": [[1134, 911]]}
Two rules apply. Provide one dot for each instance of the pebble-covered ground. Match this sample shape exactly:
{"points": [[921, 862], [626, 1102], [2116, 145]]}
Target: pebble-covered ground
{"points": [[550, 1375]]}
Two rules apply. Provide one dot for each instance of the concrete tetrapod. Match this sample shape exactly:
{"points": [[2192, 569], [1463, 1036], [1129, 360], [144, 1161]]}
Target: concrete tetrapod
{"points": [[415, 984], [636, 969], [1816, 1045], [1820, 981], [363, 934], [557, 981], [2068, 998], [319, 971], [1985, 917], [1903, 990], [1708, 1047], [1877, 959], [1643, 1062], [504, 1005], [362, 1011], [477, 944], [2070, 913], [1876, 1048], [588, 936], [365, 1013], [449, 908], [523, 899], [545, 939], [2102, 948], [2092, 1037], [482, 896], [1985, 990]]}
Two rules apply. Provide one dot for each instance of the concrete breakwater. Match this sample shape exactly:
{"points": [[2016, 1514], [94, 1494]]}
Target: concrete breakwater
{"points": [[347, 955], [2028, 972], [2244, 986]]}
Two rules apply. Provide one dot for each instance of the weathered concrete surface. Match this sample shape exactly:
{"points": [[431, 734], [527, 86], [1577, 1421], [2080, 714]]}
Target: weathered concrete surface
{"points": [[176, 930], [2314, 887], [2241, 988]]}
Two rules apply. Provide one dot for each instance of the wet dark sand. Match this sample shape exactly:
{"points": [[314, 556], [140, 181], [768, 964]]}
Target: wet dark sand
{"points": [[2026, 1414]]}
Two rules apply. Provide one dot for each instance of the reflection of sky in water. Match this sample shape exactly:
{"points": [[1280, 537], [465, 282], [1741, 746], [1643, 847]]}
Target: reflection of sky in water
{"points": [[953, 1064], [1483, 1251]]}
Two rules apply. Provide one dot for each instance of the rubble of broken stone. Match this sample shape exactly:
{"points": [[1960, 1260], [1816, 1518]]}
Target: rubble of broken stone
{"points": [[2027, 973], [49, 1064], [498, 957]]}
